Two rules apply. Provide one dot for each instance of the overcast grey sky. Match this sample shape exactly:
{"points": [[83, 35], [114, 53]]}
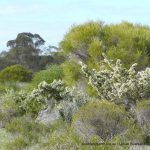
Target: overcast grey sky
{"points": [[52, 18]]}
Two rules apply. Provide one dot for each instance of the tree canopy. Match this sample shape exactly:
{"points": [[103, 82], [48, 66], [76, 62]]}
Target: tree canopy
{"points": [[25, 50], [26, 40], [125, 41]]}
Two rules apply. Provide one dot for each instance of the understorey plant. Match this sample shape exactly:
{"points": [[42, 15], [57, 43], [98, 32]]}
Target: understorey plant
{"points": [[57, 95], [117, 84]]}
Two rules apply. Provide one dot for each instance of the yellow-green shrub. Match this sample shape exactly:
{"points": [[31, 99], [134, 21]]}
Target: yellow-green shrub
{"points": [[48, 75], [15, 73], [72, 72]]}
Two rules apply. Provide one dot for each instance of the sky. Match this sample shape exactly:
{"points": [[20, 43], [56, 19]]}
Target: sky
{"points": [[53, 18]]}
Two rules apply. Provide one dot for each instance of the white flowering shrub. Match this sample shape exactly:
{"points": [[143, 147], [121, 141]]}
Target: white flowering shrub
{"points": [[56, 94], [115, 83], [49, 93]]}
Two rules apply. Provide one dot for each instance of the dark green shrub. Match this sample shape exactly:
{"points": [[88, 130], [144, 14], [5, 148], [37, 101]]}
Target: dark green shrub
{"points": [[15, 73], [48, 75], [4, 138], [102, 119], [18, 143], [2, 118], [26, 125], [27, 132], [22, 102], [12, 85], [34, 105], [63, 140], [28, 128], [3, 88], [1, 115], [143, 116]]}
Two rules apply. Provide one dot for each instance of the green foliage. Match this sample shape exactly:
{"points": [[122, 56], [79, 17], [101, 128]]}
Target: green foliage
{"points": [[21, 102], [27, 40], [57, 94], [17, 144], [28, 133], [15, 73], [33, 105], [53, 72], [14, 101], [91, 91], [143, 115], [25, 125], [125, 41], [58, 57], [128, 42], [16, 86], [145, 104], [129, 36], [4, 137], [25, 50], [3, 88], [86, 42], [52, 93], [4, 117], [95, 53], [118, 84], [71, 72], [1, 115], [25, 132], [129, 57], [61, 141], [80, 36], [103, 119], [83, 40]]}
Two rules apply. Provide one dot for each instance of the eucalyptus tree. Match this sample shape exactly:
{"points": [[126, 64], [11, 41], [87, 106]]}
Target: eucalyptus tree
{"points": [[25, 50]]}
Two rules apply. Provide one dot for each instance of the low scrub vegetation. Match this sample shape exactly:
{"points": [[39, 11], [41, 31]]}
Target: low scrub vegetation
{"points": [[97, 94]]}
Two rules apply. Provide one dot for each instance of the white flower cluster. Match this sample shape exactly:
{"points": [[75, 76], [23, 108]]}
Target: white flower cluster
{"points": [[116, 83], [56, 94]]}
